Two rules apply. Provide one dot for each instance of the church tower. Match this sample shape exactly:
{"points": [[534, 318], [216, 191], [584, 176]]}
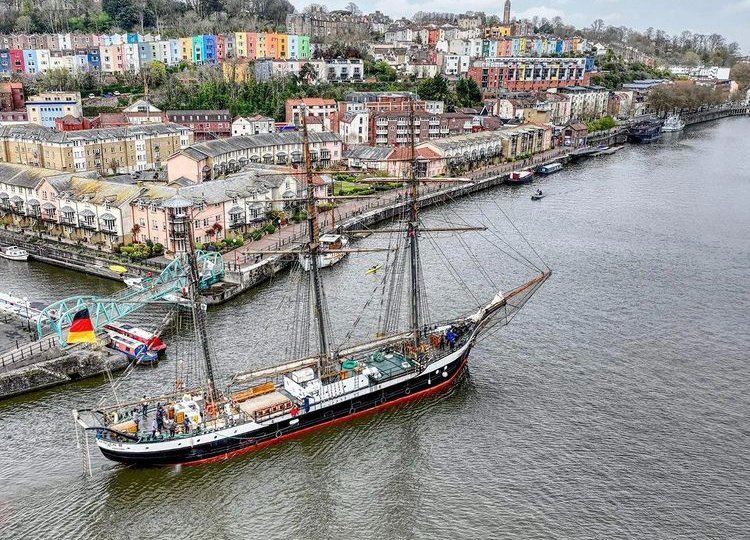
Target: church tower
{"points": [[506, 13]]}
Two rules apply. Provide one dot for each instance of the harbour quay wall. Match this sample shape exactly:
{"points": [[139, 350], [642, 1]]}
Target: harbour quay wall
{"points": [[54, 366], [710, 115], [74, 257]]}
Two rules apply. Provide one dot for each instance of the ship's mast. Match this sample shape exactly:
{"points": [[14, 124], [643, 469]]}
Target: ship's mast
{"points": [[197, 307], [412, 236], [314, 244]]}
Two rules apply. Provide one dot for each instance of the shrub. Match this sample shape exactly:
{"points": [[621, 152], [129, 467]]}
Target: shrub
{"points": [[299, 215], [270, 228]]}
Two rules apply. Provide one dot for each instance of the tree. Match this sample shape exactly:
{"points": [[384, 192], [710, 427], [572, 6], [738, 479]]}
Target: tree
{"points": [[124, 13], [315, 8], [307, 73], [155, 73], [353, 8], [435, 88], [468, 93], [741, 75]]}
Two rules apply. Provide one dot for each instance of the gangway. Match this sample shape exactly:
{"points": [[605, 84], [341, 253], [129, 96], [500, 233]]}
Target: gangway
{"points": [[56, 317]]}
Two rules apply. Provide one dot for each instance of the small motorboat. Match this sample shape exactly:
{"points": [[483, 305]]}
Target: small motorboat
{"points": [[521, 177], [14, 253], [134, 282], [539, 195]]}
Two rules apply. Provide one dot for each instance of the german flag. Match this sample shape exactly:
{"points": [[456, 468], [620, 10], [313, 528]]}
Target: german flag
{"points": [[81, 329]]}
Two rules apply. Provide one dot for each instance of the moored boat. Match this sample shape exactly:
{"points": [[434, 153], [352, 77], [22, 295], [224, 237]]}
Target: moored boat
{"points": [[645, 131], [673, 123], [331, 246], [539, 195], [550, 168], [14, 253], [135, 350], [521, 177], [152, 342]]}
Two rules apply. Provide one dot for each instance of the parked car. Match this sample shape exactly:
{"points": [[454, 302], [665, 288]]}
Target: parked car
{"points": [[117, 93], [91, 96]]}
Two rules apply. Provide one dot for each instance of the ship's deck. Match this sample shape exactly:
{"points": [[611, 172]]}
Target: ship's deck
{"points": [[390, 364]]}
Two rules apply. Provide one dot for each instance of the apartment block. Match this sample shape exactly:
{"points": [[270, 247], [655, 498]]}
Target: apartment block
{"points": [[43, 109], [106, 150]]}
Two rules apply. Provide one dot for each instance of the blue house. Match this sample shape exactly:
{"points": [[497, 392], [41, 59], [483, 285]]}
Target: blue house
{"points": [[209, 48]]}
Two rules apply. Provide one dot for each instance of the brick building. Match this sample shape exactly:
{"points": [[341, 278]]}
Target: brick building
{"points": [[494, 75], [206, 124]]}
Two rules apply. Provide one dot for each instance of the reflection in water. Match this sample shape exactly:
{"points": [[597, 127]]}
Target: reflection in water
{"points": [[611, 407]]}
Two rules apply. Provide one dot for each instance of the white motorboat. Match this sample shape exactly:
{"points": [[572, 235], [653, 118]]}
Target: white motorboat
{"points": [[330, 251], [14, 253], [673, 123]]}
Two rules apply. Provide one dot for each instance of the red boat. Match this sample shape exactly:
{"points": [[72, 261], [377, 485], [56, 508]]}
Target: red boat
{"points": [[521, 177], [152, 341]]}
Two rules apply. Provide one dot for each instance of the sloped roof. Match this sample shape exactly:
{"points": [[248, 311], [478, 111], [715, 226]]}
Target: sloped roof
{"points": [[25, 176], [95, 190], [219, 147], [364, 152], [39, 133]]}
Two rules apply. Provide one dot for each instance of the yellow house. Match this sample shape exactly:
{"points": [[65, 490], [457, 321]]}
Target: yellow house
{"points": [[283, 50], [240, 44], [186, 49], [495, 32]]}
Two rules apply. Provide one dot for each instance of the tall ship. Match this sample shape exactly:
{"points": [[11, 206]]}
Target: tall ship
{"points": [[204, 419]]}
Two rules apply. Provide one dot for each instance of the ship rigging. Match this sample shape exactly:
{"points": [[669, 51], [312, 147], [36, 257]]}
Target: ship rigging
{"points": [[203, 420]]}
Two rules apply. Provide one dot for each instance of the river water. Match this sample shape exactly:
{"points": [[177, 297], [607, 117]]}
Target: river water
{"points": [[615, 405]]}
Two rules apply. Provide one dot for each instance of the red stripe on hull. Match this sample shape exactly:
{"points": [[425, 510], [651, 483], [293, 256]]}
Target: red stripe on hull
{"points": [[404, 399]]}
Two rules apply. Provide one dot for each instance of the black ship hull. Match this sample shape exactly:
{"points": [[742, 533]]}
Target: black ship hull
{"points": [[227, 447]]}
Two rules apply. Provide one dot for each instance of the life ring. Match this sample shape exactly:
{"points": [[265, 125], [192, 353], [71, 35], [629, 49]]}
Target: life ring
{"points": [[210, 409], [352, 409], [407, 391], [278, 433]]}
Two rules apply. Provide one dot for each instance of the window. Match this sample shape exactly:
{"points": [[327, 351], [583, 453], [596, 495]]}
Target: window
{"points": [[155, 225], [205, 222]]}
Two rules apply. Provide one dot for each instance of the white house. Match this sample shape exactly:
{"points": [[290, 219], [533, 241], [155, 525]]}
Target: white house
{"points": [[253, 125]]}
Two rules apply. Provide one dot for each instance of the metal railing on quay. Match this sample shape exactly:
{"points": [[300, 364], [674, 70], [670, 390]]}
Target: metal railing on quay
{"points": [[26, 351]]}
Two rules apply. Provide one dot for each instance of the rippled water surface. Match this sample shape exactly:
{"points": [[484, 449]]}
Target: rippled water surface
{"points": [[615, 406]]}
